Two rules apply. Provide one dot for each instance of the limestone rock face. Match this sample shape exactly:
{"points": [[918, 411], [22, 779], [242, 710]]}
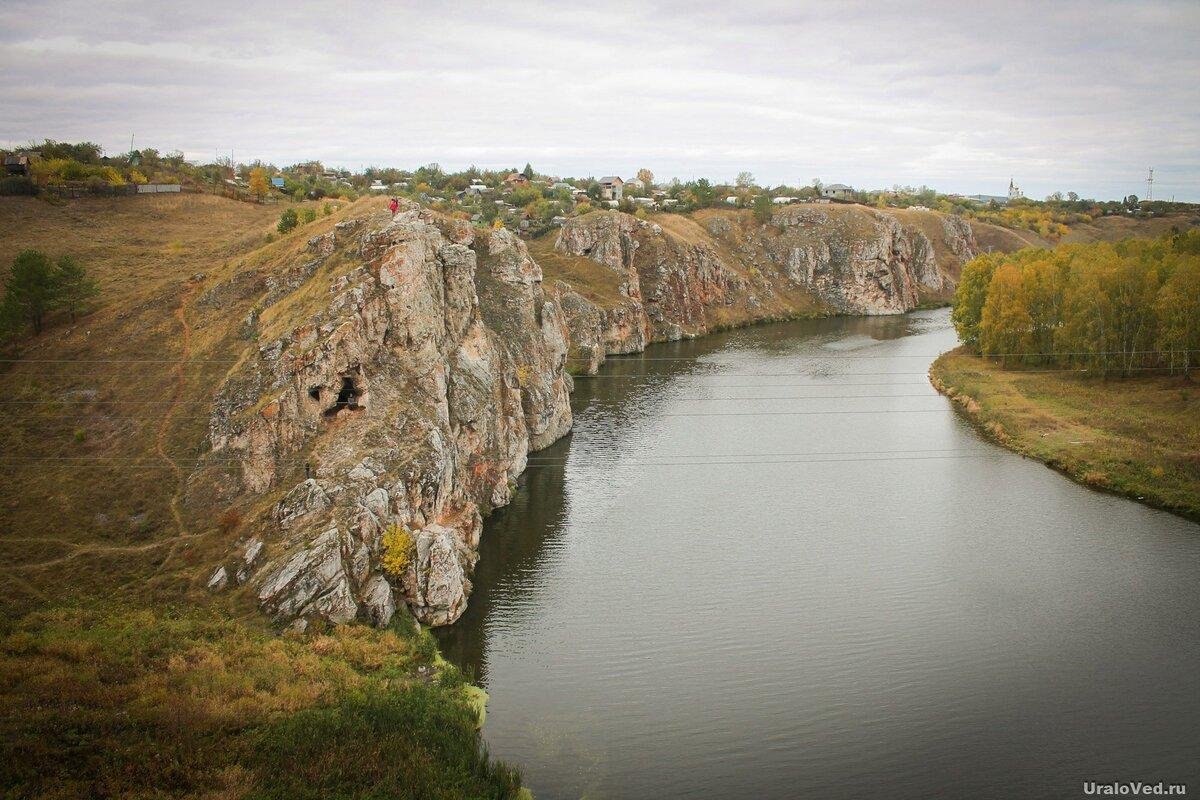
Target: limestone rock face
{"points": [[409, 396]]}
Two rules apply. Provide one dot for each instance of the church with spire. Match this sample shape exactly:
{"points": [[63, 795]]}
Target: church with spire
{"points": [[1014, 191]]}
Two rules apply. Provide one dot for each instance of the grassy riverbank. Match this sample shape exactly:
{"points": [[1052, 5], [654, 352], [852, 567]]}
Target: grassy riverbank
{"points": [[1139, 437], [132, 702]]}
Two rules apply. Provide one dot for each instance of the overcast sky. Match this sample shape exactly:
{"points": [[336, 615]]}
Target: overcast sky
{"points": [[1081, 96]]}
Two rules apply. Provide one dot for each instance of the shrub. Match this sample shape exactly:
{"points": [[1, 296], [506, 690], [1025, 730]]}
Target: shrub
{"points": [[307, 215], [287, 220], [397, 550], [229, 520], [17, 185]]}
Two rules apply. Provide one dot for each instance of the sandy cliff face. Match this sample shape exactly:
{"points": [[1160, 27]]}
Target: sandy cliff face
{"points": [[413, 398]]}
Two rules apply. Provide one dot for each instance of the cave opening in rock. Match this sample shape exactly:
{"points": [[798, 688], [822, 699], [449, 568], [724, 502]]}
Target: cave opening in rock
{"points": [[347, 398], [315, 393]]}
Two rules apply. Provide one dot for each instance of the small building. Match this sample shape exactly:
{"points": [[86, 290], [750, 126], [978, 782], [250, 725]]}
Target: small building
{"points": [[516, 179], [783, 201], [378, 186], [476, 190], [16, 164], [636, 184], [560, 185], [732, 200], [837, 191], [611, 187], [669, 202], [644, 202]]}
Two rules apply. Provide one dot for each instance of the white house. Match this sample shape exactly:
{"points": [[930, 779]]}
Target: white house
{"points": [[783, 201], [378, 186]]}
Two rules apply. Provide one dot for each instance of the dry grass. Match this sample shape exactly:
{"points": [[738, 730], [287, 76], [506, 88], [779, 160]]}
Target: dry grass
{"points": [[594, 281], [1138, 437], [103, 421], [116, 701]]}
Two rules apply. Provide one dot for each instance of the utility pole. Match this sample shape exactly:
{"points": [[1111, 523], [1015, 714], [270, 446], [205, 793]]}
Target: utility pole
{"points": [[1150, 185]]}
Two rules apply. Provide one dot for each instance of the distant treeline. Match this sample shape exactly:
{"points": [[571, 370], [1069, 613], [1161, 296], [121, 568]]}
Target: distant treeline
{"points": [[1112, 308]]}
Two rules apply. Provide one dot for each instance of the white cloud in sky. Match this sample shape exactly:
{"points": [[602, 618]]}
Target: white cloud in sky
{"points": [[1079, 96]]}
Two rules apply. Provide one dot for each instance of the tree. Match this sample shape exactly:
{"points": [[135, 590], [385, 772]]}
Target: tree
{"points": [[74, 286], [745, 180], [31, 291], [1005, 324], [259, 186], [1179, 315], [646, 176], [970, 296], [528, 171], [703, 192], [287, 220], [764, 209]]}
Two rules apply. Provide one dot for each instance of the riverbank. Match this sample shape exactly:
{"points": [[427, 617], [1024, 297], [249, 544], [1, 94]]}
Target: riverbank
{"points": [[1136, 437], [126, 701]]}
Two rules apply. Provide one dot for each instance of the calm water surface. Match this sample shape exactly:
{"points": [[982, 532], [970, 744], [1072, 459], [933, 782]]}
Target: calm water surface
{"points": [[731, 582]]}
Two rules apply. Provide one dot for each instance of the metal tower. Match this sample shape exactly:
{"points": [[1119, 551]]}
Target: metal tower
{"points": [[1150, 185]]}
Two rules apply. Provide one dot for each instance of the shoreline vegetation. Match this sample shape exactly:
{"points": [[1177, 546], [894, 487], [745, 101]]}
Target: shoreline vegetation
{"points": [[1083, 357], [1136, 437], [109, 700]]}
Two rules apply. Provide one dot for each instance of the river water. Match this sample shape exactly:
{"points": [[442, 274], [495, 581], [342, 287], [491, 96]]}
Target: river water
{"points": [[774, 563]]}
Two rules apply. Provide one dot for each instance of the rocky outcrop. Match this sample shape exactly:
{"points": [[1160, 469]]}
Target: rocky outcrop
{"points": [[409, 399], [874, 266], [409, 365], [851, 260]]}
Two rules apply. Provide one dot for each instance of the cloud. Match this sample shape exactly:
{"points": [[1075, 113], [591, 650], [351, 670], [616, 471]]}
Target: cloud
{"points": [[1073, 96]]}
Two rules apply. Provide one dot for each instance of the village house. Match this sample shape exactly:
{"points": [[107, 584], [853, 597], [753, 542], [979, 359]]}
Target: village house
{"points": [[783, 201], [635, 184], [378, 186], [644, 202], [837, 191], [516, 179], [16, 164], [611, 187]]}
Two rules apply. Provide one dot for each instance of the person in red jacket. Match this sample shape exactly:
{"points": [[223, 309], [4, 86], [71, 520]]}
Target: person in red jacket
{"points": [[393, 206]]}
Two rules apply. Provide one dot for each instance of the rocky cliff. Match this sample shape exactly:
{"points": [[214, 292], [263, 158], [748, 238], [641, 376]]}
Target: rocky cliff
{"points": [[413, 397], [688, 278], [404, 372]]}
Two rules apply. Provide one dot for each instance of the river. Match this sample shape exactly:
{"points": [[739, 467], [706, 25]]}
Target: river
{"points": [[774, 563]]}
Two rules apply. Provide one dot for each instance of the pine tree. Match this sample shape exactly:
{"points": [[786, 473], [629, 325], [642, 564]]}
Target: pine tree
{"points": [[74, 286], [31, 291]]}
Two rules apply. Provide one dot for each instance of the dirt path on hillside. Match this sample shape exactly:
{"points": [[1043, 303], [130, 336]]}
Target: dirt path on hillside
{"points": [[160, 449], [160, 435]]}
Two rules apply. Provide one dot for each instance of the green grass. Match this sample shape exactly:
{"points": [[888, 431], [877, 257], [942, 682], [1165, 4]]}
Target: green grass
{"points": [[1137, 437], [111, 701]]}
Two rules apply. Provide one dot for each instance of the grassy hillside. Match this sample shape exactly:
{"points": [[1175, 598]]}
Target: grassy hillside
{"points": [[111, 651], [1139, 437]]}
